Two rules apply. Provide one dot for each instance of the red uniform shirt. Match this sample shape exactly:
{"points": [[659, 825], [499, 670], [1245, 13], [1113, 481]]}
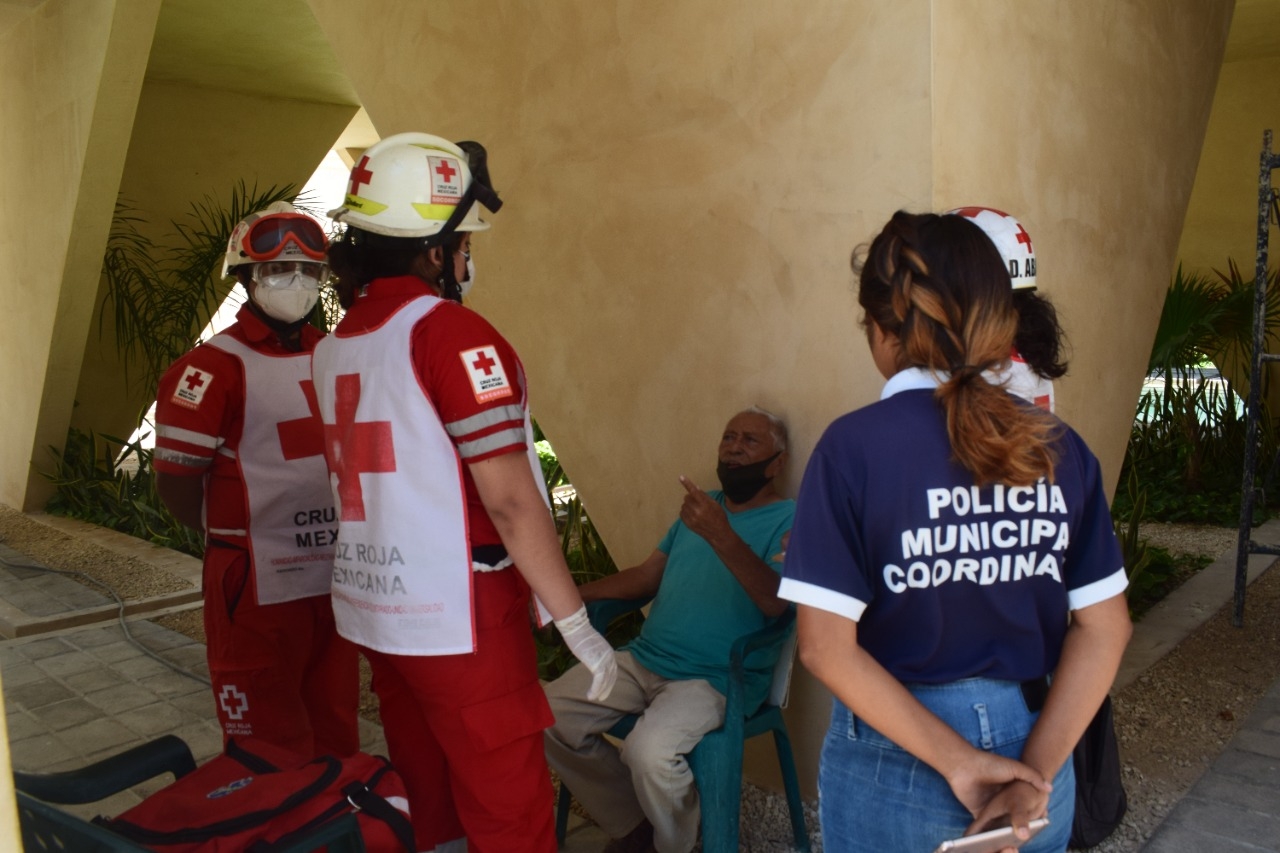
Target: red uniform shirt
{"points": [[469, 373], [200, 411]]}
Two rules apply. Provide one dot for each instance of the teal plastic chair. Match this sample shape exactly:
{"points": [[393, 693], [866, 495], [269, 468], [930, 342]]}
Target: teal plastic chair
{"points": [[45, 828], [717, 759]]}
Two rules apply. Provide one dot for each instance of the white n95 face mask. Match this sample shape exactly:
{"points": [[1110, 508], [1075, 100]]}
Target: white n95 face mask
{"points": [[464, 286], [286, 296]]}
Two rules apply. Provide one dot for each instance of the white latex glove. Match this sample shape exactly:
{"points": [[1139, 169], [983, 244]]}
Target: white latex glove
{"points": [[593, 650]]}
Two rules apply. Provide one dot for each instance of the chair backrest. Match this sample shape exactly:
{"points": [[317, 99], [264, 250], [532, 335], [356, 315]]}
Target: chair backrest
{"points": [[780, 688]]}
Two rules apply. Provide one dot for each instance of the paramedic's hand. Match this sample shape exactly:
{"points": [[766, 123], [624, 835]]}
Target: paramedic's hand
{"points": [[593, 650]]}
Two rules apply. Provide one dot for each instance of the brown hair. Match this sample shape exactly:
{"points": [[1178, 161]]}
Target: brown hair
{"points": [[938, 285]]}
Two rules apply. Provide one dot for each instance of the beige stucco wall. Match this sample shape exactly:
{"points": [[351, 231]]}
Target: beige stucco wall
{"points": [[1222, 220], [69, 79], [1085, 121], [190, 145], [684, 188]]}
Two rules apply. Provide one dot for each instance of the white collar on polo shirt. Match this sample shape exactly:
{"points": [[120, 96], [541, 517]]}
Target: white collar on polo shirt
{"points": [[913, 379]]}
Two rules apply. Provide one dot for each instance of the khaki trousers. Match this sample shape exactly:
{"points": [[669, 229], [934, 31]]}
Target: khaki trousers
{"points": [[649, 776]]}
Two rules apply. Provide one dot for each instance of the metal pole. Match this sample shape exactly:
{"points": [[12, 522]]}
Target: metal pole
{"points": [[1248, 494]]}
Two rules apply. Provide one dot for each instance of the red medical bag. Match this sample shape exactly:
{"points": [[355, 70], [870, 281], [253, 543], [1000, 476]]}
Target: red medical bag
{"points": [[255, 798]]}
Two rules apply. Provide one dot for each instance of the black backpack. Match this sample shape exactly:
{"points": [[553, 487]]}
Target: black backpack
{"points": [[1100, 798]]}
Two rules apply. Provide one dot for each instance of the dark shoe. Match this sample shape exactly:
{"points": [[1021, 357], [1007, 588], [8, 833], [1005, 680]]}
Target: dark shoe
{"points": [[638, 840]]}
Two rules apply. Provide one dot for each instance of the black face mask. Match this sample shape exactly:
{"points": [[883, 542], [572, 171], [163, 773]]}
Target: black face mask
{"points": [[741, 483]]}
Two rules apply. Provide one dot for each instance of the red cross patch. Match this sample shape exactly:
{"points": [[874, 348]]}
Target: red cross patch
{"points": [[446, 180], [353, 447], [303, 437], [487, 375], [191, 387], [233, 702]]}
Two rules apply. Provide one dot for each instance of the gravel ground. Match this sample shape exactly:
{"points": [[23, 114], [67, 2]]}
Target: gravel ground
{"points": [[131, 579], [1172, 721]]}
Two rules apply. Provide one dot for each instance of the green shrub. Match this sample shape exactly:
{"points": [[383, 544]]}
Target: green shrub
{"points": [[586, 555], [1162, 574], [94, 481], [1187, 445]]}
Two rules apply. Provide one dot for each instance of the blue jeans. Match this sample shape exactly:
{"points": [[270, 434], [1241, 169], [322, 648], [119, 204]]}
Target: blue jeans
{"points": [[875, 796]]}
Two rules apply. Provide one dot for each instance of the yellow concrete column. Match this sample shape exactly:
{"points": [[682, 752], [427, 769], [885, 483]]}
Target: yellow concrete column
{"points": [[70, 73], [69, 78], [1222, 219]]}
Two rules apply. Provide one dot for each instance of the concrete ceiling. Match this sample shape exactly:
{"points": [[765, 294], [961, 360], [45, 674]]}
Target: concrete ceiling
{"points": [[259, 47], [273, 48]]}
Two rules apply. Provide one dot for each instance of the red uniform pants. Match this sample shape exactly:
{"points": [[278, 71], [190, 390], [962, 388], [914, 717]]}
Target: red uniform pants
{"points": [[280, 672], [465, 731]]}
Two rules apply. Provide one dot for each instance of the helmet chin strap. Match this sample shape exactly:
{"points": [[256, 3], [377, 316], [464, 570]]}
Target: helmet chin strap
{"points": [[448, 279]]}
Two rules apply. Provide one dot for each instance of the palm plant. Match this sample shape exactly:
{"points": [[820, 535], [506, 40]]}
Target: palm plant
{"points": [[159, 298], [1188, 439], [585, 554]]}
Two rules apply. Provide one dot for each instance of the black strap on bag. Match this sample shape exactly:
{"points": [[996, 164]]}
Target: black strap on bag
{"points": [[1100, 798], [360, 798]]}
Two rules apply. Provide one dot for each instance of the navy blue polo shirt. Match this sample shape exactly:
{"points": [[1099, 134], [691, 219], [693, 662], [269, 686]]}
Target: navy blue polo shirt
{"points": [[946, 580]]}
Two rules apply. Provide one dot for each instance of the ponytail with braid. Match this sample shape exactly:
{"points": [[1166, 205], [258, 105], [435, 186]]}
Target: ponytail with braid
{"points": [[938, 286]]}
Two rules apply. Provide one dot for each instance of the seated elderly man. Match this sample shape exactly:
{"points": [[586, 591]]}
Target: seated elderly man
{"points": [[715, 578]]}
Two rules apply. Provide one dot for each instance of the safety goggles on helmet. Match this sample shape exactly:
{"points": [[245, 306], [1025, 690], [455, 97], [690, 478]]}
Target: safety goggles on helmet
{"points": [[278, 233], [269, 237], [1010, 238]]}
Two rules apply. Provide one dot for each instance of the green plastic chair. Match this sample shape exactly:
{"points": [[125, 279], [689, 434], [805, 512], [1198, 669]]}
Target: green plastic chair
{"points": [[717, 759]]}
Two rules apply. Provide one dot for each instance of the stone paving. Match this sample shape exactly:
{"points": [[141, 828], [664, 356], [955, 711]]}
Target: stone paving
{"points": [[27, 588], [1235, 806], [87, 694], [77, 695]]}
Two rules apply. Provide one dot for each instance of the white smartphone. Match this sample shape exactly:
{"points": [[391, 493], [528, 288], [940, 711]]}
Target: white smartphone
{"points": [[992, 840]]}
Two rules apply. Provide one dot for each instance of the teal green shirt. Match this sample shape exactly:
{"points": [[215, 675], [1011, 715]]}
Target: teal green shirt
{"points": [[701, 609]]}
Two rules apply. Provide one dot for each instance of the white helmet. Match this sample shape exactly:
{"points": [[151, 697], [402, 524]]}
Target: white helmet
{"points": [[277, 233], [417, 185], [1010, 238]]}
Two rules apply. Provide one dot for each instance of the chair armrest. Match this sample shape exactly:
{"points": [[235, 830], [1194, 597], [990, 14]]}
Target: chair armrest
{"points": [[603, 612], [165, 754], [770, 635]]}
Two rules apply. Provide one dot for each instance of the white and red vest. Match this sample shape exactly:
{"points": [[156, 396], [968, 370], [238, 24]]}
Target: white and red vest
{"points": [[402, 571], [292, 525], [1019, 379]]}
